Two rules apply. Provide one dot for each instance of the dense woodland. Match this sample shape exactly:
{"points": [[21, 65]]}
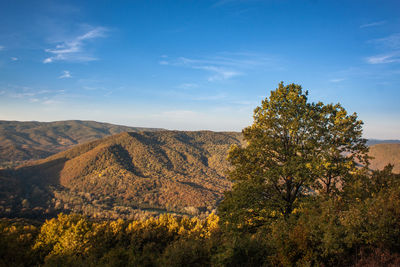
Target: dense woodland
{"points": [[303, 194], [360, 227]]}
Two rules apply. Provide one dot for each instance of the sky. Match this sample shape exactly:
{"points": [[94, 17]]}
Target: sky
{"points": [[197, 65]]}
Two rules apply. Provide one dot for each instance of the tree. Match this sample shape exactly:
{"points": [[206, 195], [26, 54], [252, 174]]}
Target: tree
{"points": [[293, 149]]}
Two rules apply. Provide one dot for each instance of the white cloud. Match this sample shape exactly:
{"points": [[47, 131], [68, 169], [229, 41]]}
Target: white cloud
{"points": [[48, 60], [13, 58], [24, 93], [51, 102], [65, 74], [1, 47], [391, 42], [336, 80], [73, 50], [219, 73], [224, 66], [373, 24], [229, 60], [384, 59], [391, 47]]}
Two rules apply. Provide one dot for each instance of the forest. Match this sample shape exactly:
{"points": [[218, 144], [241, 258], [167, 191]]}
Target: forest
{"points": [[303, 195]]}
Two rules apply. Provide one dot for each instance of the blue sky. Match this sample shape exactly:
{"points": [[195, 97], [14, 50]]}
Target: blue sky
{"points": [[192, 65]]}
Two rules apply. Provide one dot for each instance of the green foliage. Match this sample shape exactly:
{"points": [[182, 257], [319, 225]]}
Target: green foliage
{"points": [[244, 250], [294, 149], [187, 252], [16, 239], [244, 207]]}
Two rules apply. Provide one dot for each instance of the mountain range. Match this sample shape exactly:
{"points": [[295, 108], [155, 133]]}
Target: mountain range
{"points": [[125, 172], [123, 175], [31, 140]]}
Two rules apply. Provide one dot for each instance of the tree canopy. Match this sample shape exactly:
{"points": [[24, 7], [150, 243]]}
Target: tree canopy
{"points": [[295, 148]]}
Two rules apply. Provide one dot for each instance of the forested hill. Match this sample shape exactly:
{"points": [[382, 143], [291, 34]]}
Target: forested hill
{"points": [[20, 141], [124, 175]]}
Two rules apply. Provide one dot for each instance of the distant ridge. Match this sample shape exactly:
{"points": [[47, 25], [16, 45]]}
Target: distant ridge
{"points": [[372, 142], [31, 140]]}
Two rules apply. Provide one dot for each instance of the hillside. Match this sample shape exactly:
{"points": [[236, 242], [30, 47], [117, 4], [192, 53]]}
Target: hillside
{"points": [[384, 154], [21, 141], [123, 175], [126, 174]]}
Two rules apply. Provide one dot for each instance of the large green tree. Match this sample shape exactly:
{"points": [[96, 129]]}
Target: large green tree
{"points": [[294, 148]]}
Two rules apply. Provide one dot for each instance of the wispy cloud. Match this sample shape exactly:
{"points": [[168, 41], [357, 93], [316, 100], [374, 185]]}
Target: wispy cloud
{"points": [[65, 74], [391, 47], [373, 24], [383, 59], [219, 73], [73, 50], [391, 41], [1, 47], [224, 66], [51, 102], [13, 58], [336, 80], [32, 95]]}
